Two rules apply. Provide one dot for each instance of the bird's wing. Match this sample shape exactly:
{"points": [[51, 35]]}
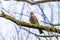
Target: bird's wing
{"points": [[36, 20]]}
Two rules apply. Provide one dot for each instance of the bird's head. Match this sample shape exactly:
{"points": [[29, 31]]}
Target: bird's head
{"points": [[31, 13]]}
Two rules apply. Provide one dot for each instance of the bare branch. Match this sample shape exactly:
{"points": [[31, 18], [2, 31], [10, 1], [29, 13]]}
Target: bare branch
{"points": [[35, 2], [51, 23], [25, 24], [48, 35]]}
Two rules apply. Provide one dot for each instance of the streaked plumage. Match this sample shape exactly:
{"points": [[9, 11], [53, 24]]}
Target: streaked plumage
{"points": [[33, 20]]}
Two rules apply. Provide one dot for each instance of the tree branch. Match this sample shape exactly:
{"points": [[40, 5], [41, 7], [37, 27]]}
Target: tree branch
{"points": [[51, 23], [35, 2], [48, 35], [25, 24], [41, 35]]}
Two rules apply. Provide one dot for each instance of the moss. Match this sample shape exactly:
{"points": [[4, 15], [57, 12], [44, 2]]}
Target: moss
{"points": [[25, 24]]}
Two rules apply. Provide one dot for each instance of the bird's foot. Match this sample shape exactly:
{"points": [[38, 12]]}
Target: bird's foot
{"points": [[35, 25]]}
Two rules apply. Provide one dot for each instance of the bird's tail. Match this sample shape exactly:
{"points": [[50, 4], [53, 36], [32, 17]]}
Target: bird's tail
{"points": [[40, 31]]}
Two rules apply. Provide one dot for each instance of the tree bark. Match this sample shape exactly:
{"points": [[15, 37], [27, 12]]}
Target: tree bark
{"points": [[35, 2], [29, 25]]}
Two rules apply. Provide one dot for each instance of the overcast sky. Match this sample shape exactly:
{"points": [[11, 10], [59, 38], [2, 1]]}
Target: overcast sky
{"points": [[11, 31]]}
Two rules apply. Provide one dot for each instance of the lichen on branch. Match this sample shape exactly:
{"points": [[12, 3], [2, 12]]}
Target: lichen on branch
{"points": [[29, 25]]}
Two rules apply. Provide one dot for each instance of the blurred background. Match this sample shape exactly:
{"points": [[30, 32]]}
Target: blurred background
{"points": [[48, 12]]}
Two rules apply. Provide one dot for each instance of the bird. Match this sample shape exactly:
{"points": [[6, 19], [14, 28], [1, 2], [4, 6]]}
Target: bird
{"points": [[33, 20]]}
